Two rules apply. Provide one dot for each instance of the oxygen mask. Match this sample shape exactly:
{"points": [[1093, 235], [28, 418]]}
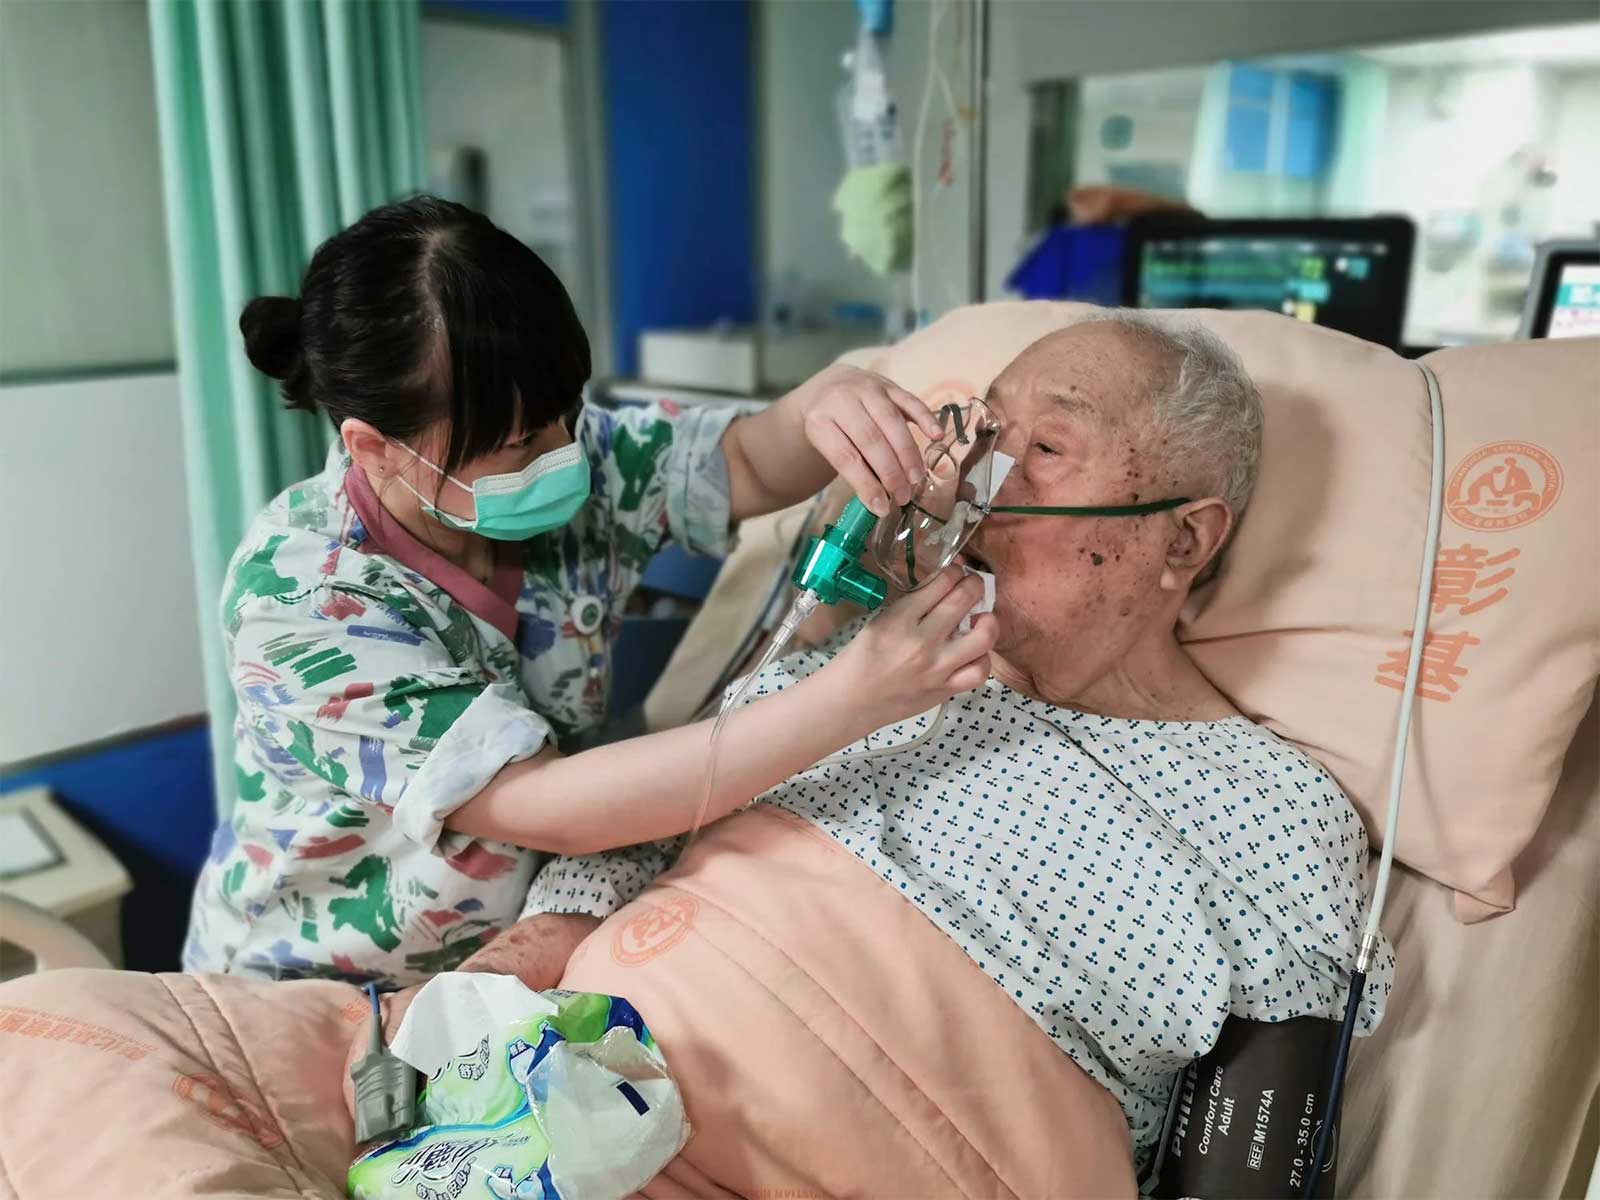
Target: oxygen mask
{"points": [[965, 470]]}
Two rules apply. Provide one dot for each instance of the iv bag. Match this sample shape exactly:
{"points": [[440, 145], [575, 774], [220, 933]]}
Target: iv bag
{"points": [[868, 122]]}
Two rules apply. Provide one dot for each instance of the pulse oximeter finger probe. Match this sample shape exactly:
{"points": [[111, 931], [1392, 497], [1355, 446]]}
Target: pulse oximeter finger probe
{"points": [[386, 1087]]}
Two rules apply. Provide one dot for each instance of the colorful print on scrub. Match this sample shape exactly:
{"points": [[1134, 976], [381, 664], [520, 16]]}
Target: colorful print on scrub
{"points": [[379, 687]]}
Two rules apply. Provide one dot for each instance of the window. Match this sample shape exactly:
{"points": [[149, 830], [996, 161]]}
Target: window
{"points": [[1280, 122], [1486, 142]]}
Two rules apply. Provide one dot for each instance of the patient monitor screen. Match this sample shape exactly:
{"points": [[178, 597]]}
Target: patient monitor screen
{"points": [[1340, 284], [1576, 311]]}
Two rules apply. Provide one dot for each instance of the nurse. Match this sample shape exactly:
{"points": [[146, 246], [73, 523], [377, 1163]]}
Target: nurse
{"points": [[414, 633]]}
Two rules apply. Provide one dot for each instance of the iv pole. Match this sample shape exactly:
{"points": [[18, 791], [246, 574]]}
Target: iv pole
{"points": [[977, 167]]}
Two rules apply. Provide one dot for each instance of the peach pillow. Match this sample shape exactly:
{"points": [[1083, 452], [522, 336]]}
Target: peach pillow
{"points": [[1305, 627]]}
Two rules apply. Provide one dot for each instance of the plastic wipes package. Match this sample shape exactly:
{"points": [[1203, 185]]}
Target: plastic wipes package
{"points": [[530, 1096]]}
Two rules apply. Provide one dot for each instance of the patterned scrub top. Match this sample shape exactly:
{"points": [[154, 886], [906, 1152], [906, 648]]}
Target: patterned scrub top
{"points": [[380, 686], [1129, 884]]}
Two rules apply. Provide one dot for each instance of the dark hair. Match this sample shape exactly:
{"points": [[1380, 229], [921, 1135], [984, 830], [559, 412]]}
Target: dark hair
{"points": [[424, 310]]}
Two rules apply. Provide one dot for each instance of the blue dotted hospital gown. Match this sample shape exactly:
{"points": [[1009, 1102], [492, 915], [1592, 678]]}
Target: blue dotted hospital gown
{"points": [[1128, 883]]}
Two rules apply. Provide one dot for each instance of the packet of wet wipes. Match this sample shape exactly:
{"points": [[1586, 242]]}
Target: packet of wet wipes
{"points": [[530, 1096]]}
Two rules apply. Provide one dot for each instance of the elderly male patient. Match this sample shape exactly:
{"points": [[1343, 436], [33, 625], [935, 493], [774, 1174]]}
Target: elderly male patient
{"points": [[1116, 856]]}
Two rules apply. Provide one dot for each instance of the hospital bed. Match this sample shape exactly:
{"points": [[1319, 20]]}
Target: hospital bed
{"points": [[1484, 1079]]}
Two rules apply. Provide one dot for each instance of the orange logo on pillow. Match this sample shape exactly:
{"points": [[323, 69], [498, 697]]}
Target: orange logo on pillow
{"points": [[1440, 672], [1463, 578], [1502, 486], [654, 930], [948, 391]]}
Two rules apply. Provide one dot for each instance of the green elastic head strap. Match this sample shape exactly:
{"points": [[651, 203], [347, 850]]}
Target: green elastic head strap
{"points": [[1109, 510], [1106, 510]]}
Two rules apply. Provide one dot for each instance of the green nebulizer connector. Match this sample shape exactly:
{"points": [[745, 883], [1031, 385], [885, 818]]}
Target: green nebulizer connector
{"points": [[829, 566]]}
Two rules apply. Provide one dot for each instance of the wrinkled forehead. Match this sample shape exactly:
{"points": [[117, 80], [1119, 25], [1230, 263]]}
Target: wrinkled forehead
{"points": [[1095, 375]]}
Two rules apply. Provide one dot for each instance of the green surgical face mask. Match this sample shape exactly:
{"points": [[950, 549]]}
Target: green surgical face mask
{"points": [[517, 505]]}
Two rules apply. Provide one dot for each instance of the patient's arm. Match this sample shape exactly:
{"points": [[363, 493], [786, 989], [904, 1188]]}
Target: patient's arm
{"points": [[535, 950]]}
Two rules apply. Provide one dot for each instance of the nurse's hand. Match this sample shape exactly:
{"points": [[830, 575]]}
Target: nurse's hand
{"points": [[909, 658], [861, 423]]}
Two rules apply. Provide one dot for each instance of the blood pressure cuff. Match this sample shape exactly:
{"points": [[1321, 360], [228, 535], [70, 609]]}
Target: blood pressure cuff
{"points": [[1245, 1118]]}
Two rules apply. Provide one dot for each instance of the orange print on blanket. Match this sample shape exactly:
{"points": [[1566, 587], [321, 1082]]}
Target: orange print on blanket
{"points": [[653, 930], [1503, 485], [49, 1027], [225, 1110]]}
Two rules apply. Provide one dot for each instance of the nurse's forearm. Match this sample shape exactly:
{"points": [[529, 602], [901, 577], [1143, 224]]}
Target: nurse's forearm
{"points": [[651, 787], [771, 462], [842, 420]]}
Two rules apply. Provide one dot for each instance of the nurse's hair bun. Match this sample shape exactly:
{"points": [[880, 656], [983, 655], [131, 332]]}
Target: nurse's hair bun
{"points": [[271, 328]]}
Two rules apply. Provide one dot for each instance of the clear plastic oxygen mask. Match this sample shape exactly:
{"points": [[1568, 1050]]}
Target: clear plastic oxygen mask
{"points": [[965, 470]]}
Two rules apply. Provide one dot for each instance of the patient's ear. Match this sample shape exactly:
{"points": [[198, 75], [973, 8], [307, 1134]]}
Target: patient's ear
{"points": [[1199, 529]]}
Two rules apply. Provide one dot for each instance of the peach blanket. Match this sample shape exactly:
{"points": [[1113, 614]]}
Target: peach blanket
{"points": [[829, 1041]]}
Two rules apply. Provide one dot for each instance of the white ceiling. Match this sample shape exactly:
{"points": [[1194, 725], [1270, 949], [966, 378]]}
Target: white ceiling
{"points": [[1552, 45]]}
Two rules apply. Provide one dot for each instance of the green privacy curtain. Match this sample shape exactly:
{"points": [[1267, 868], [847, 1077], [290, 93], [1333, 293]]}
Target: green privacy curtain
{"points": [[282, 121]]}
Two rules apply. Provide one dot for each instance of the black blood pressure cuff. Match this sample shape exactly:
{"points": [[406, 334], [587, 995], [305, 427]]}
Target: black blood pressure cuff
{"points": [[1244, 1119]]}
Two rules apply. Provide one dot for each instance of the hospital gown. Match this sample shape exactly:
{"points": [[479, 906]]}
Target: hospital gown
{"points": [[1129, 884], [379, 687]]}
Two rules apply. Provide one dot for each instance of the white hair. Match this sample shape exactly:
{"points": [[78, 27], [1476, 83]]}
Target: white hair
{"points": [[1208, 412]]}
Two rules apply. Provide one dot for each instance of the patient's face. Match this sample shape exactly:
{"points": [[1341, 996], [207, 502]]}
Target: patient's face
{"points": [[1077, 420]]}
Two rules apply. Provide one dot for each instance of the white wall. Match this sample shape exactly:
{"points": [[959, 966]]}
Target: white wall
{"points": [[1072, 38], [1575, 146], [1165, 108], [98, 634], [1452, 134], [83, 251], [1448, 133]]}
